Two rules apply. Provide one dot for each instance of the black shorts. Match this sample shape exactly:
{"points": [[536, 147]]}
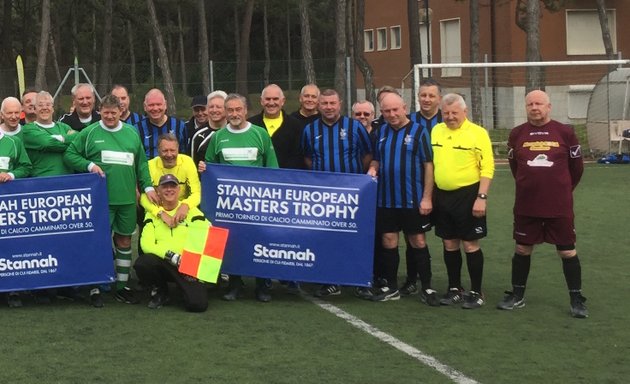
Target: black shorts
{"points": [[452, 214], [408, 220]]}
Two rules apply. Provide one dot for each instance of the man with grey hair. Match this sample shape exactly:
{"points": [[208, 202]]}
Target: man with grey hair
{"points": [[215, 108], [309, 103], [83, 102], [285, 131], [10, 113], [363, 110], [244, 144], [463, 170]]}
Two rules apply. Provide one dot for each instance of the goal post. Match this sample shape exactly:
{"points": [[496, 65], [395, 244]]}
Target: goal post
{"points": [[595, 93]]}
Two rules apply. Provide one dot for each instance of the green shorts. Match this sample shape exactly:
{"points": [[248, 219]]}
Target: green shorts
{"points": [[122, 219]]}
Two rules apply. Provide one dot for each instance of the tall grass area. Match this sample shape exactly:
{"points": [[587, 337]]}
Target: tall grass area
{"points": [[291, 340]]}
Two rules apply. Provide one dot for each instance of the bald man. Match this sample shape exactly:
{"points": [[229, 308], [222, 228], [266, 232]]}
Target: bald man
{"points": [[403, 162], [10, 112], [546, 162], [157, 123], [285, 131]]}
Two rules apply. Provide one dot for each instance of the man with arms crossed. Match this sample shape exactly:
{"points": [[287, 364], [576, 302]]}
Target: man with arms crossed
{"points": [[546, 163]]}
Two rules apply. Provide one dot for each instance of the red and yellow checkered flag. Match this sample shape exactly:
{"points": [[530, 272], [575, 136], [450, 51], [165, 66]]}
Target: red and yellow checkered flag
{"points": [[203, 252]]}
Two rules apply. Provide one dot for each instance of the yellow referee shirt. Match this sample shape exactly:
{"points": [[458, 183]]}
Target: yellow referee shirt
{"points": [[461, 156]]}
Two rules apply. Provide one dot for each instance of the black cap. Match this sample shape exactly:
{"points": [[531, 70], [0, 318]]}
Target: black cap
{"points": [[199, 101], [168, 178]]}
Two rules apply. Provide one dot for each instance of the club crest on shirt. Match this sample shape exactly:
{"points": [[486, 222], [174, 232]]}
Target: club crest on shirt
{"points": [[540, 161], [408, 140], [342, 133]]}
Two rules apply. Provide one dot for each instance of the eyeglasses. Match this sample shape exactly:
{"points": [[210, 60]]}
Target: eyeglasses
{"points": [[365, 114]]}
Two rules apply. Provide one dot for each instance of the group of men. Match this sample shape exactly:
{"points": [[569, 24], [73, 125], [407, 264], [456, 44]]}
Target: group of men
{"points": [[434, 168]]}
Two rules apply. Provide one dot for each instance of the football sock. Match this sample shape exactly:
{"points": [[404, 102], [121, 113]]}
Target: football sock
{"points": [[453, 262], [423, 265], [123, 265], [391, 259], [520, 272], [474, 261], [412, 261], [572, 274]]}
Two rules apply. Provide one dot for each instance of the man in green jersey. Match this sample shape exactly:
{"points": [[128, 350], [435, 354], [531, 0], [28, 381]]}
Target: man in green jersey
{"points": [[46, 140], [245, 144], [113, 149]]}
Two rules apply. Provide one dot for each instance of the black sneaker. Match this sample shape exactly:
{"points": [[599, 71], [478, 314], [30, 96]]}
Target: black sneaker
{"points": [[511, 301], [96, 299], [386, 294], [262, 295], [578, 308], [293, 288], [473, 300], [363, 293], [158, 299], [429, 297], [409, 288], [41, 296], [126, 296], [452, 296], [328, 290], [13, 300]]}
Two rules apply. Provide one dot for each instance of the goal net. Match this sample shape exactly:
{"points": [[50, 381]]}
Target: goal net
{"points": [[594, 94]]}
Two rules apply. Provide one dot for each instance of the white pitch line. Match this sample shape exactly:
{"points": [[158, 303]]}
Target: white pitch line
{"points": [[417, 354]]}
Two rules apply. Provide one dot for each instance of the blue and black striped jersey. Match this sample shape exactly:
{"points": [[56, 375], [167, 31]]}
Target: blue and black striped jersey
{"points": [[149, 134], [427, 124], [340, 147], [133, 118], [401, 155]]}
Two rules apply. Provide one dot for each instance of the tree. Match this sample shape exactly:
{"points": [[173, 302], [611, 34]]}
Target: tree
{"points": [[528, 19], [307, 54], [340, 48], [163, 59], [182, 53], [40, 75], [243, 56], [603, 22], [105, 83], [204, 56], [364, 66], [475, 78], [415, 45], [267, 67]]}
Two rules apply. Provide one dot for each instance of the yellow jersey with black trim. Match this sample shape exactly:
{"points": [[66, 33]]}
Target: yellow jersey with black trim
{"points": [[462, 156]]}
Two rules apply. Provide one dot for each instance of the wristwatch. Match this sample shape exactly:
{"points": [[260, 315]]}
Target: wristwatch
{"points": [[482, 196], [160, 212]]}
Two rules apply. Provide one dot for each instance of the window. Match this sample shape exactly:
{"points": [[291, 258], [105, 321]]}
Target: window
{"points": [[394, 37], [381, 37], [368, 40], [451, 46], [584, 33]]}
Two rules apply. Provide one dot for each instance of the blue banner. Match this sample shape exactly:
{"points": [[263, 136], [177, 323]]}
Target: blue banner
{"points": [[54, 232], [293, 225]]}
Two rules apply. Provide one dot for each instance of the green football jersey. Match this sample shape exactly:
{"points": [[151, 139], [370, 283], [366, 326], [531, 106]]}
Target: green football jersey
{"points": [[45, 146], [120, 155], [250, 146]]}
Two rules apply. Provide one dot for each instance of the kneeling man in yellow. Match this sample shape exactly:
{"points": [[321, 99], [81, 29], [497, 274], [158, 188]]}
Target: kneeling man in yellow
{"points": [[113, 149], [162, 247]]}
